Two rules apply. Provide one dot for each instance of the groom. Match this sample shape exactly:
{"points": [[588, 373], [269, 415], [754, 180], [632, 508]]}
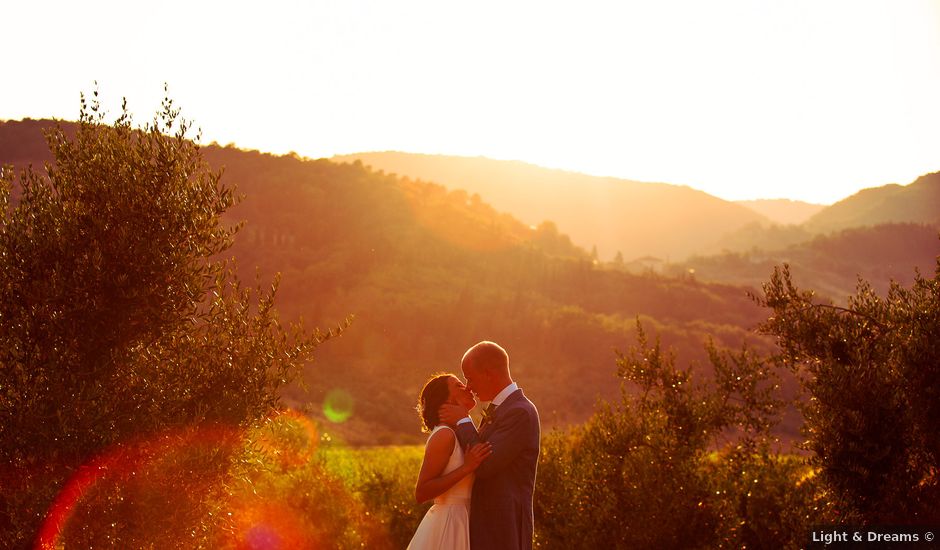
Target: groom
{"points": [[501, 504]]}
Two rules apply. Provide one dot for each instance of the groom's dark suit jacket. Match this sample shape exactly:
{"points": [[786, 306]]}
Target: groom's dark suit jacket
{"points": [[501, 503]]}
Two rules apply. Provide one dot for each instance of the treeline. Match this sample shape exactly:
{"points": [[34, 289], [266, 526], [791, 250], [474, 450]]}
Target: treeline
{"points": [[831, 264]]}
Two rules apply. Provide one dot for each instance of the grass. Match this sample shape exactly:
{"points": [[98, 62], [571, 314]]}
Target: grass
{"points": [[383, 479]]}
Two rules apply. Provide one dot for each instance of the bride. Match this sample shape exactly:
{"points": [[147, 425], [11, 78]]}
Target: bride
{"points": [[447, 473]]}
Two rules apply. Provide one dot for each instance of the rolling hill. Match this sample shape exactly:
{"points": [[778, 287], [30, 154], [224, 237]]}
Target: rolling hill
{"points": [[831, 264], [879, 234], [427, 272], [917, 202], [615, 215], [893, 204]]}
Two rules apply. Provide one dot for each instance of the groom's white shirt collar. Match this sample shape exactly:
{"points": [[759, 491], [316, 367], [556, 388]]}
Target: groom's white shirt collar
{"points": [[507, 391], [498, 400]]}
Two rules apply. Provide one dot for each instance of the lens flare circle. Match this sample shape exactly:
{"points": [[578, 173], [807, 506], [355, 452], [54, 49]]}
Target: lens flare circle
{"points": [[119, 463], [338, 406], [288, 436], [272, 526]]}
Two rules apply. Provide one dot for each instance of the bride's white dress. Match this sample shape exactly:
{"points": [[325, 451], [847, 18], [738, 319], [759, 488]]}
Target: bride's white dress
{"points": [[446, 526]]}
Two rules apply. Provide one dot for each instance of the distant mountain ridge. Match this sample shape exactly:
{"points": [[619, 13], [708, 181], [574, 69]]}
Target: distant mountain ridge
{"points": [[615, 215], [879, 233], [918, 202], [783, 211], [658, 220]]}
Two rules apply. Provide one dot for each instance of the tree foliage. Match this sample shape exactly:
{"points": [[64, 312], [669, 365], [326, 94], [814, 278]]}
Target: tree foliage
{"points": [[871, 371], [677, 463], [119, 317]]}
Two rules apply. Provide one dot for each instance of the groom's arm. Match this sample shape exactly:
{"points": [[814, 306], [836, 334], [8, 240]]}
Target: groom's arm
{"points": [[467, 433], [508, 438]]}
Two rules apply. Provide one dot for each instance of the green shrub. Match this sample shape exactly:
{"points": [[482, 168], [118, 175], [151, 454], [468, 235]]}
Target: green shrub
{"points": [[642, 473]]}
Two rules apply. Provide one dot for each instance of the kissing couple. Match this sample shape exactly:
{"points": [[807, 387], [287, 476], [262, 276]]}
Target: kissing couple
{"points": [[481, 479]]}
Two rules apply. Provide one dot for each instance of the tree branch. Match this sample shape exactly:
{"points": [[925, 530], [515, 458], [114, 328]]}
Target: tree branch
{"points": [[846, 310]]}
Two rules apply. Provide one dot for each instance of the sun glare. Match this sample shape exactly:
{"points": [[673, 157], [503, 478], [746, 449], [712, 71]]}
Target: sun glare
{"points": [[160, 469], [805, 100]]}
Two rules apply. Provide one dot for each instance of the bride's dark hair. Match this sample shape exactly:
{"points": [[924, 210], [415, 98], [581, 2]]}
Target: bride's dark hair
{"points": [[435, 393]]}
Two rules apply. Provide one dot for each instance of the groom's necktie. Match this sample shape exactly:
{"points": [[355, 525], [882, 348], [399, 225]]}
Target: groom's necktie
{"points": [[488, 414]]}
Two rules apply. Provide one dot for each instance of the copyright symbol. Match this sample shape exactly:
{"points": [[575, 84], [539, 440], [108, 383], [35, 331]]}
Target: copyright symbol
{"points": [[928, 536]]}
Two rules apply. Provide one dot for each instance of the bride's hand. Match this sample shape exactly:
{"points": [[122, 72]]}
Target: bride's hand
{"points": [[477, 454]]}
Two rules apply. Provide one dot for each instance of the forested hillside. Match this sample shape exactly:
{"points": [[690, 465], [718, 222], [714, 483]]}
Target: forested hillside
{"points": [[426, 272], [615, 215], [683, 229], [830, 264], [915, 203], [879, 234], [918, 202]]}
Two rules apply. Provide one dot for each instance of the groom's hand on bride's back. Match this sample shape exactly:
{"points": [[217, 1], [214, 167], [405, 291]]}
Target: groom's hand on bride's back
{"points": [[450, 414]]}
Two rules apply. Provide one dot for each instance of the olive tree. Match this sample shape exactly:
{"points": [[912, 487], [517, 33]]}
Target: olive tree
{"points": [[678, 462], [871, 372], [120, 316]]}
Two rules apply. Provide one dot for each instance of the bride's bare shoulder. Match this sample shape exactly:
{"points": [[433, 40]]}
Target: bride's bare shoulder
{"points": [[442, 439]]}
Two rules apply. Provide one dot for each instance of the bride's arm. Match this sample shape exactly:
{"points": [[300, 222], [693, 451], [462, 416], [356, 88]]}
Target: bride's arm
{"points": [[431, 482]]}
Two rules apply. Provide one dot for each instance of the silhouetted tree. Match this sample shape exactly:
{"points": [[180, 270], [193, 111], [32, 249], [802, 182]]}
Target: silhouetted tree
{"points": [[118, 319], [872, 374]]}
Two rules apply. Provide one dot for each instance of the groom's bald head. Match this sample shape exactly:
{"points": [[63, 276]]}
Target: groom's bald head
{"points": [[486, 368], [487, 355]]}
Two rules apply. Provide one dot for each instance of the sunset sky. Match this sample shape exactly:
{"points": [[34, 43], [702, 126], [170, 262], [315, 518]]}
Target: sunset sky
{"points": [[808, 100]]}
